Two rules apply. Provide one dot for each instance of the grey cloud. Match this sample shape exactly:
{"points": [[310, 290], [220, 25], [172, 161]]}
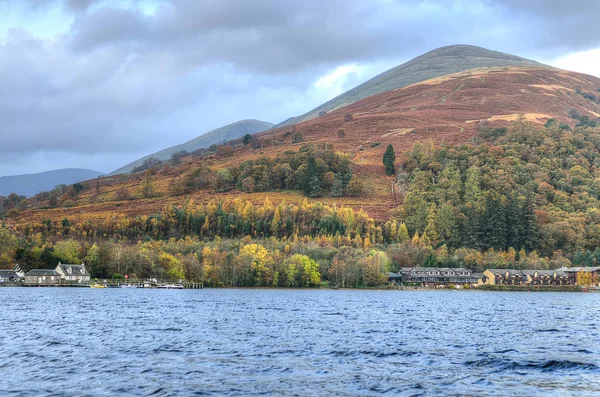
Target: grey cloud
{"points": [[121, 82]]}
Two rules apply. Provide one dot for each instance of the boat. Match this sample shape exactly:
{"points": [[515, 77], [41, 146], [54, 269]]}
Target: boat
{"points": [[171, 286], [96, 285]]}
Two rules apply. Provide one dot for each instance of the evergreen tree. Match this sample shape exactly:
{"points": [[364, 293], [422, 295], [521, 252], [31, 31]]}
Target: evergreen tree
{"points": [[431, 230], [530, 237], [494, 224], [471, 228], [315, 187], [389, 158]]}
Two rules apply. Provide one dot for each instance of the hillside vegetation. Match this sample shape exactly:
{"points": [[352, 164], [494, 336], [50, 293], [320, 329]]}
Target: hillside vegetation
{"points": [[493, 167]]}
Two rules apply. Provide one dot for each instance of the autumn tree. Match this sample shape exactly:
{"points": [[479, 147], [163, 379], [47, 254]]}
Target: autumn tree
{"points": [[147, 187], [8, 245]]}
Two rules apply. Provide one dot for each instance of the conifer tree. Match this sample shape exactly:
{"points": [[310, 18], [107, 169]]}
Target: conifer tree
{"points": [[389, 158], [431, 230], [403, 233]]}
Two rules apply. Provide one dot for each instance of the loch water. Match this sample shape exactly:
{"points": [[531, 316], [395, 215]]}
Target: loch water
{"points": [[80, 342]]}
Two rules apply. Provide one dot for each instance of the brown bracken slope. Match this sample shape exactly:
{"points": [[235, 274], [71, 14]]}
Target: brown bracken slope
{"points": [[446, 109]]}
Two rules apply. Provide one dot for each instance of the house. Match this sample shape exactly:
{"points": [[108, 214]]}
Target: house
{"points": [[527, 277], [436, 276], [8, 276], [73, 273], [572, 272], [42, 277], [546, 277]]}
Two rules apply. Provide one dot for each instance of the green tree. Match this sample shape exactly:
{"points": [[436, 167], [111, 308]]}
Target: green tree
{"points": [[67, 251], [389, 158]]}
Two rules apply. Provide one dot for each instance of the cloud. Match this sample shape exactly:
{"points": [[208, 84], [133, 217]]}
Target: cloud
{"points": [[112, 80]]}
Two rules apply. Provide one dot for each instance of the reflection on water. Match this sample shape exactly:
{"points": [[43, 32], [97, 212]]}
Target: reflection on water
{"points": [[297, 342]]}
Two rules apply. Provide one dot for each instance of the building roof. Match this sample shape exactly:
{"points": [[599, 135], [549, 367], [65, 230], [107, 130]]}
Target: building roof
{"points": [[581, 268], [8, 274], [73, 270], [42, 272]]}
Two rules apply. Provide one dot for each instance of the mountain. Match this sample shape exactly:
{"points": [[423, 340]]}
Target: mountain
{"points": [[31, 184], [439, 62], [223, 134], [449, 109]]}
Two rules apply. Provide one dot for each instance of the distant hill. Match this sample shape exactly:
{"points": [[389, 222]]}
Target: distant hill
{"points": [[436, 63], [31, 184], [223, 134]]}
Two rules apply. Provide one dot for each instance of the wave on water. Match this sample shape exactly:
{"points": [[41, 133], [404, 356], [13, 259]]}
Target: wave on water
{"points": [[502, 364]]}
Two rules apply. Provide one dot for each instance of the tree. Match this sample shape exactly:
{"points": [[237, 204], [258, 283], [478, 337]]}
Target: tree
{"points": [[247, 139], [583, 278], [432, 228], [315, 187], [8, 245], [67, 251], [147, 186], [355, 187], [389, 158], [78, 188]]}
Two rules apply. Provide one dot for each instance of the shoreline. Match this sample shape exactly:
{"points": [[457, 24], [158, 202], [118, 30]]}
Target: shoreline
{"points": [[482, 288]]}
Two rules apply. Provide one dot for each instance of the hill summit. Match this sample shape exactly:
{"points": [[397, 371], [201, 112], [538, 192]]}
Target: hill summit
{"points": [[436, 63]]}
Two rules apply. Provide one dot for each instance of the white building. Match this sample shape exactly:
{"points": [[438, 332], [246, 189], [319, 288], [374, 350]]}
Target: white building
{"points": [[73, 273]]}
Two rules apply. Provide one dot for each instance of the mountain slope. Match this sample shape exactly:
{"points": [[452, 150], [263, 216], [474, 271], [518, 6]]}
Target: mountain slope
{"points": [[447, 109], [436, 63], [226, 133], [30, 184]]}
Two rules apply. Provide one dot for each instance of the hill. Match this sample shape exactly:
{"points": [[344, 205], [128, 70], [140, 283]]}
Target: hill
{"points": [[436, 63], [449, 110], [30, 184], [219, 135]]}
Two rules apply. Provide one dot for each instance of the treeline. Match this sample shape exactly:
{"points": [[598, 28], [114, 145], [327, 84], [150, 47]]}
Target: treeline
{"points": [[316, 170], [285, 262], [227, 219], [524, 187], [245, 262]]}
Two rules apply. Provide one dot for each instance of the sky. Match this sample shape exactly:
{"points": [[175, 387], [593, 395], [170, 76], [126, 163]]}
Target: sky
{"points": [[99, 83]]}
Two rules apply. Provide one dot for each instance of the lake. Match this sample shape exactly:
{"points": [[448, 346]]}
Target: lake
{"points": [[78, 342]]}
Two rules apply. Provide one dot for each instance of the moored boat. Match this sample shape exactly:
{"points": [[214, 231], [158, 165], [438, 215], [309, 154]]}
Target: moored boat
{"points": [[171, 286]]}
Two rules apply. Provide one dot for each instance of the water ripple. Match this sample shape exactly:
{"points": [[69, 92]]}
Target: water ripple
{"points": [[79, 342]]}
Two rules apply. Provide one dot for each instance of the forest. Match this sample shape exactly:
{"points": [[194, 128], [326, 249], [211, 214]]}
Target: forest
{"points": [[521, 197]]}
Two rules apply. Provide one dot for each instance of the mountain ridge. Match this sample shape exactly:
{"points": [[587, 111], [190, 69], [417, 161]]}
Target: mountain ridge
{"points": [[31, 184], [226, 133]]}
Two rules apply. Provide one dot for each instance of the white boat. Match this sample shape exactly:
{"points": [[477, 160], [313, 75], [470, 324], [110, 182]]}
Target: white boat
{"points": [[171, 286]]}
